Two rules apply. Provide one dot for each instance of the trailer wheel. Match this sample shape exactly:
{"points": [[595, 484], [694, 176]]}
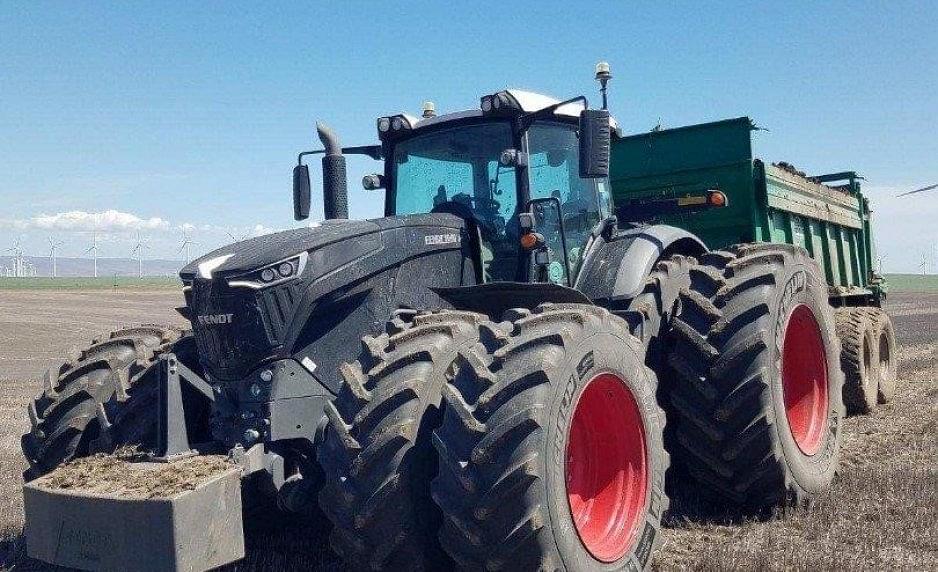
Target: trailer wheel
{"points": [[758, 403], [103, 399], [551, 454], [376, 456], [885, 336], [856, 328]]}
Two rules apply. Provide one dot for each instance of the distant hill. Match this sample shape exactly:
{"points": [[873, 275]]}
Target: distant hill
{"points": [[106, 266]]}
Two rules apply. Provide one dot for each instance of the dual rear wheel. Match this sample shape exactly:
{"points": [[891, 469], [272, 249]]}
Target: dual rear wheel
{"points": [[755, 401]]}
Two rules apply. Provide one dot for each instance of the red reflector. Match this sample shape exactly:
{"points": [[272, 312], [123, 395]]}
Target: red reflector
{"points": [[717, 199]]}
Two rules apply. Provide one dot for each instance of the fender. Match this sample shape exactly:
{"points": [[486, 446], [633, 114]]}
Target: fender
{"points": [[494, 298], [614, 270]]}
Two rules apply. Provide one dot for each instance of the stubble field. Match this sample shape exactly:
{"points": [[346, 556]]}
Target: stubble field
{"points": [[882, 513]]}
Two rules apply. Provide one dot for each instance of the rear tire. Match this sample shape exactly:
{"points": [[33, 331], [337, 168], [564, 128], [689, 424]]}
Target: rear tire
{"points": [[856, 328], [376, 455], [758, 402], [519, 456], [102, 400]]}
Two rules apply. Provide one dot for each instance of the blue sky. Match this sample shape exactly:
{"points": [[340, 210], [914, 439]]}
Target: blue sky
{"points": [[192, 113]]}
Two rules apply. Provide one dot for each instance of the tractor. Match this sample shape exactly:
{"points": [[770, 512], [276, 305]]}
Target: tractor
{"points": [[482, 378]]}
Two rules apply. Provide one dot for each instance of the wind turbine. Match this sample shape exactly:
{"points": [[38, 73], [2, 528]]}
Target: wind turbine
{"points": [[94, 251], [53, 244], [923, 189], [186, 243], [138, 250], [17, 251]]}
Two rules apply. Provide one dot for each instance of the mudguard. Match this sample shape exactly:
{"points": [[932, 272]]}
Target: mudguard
{"points": [[615, 269]]}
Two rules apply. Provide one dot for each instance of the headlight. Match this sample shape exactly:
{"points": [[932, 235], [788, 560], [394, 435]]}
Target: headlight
{"points": [[272, 274]]}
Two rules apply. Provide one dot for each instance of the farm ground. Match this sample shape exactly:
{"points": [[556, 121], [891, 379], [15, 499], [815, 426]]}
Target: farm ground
{"points": [[882, 513]]}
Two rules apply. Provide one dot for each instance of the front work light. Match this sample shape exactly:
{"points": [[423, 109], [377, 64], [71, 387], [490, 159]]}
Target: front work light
{"points": [[501, 103]]}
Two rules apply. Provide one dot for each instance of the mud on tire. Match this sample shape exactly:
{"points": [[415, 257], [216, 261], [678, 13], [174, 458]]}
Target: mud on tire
{"points": [[513, 437], [756, 424], [377, 456], [104, 398]]}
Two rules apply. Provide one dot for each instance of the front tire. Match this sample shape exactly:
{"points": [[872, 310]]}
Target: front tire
{"points": [[757, 404], [376, 455], [551, 454], [103, 399]]}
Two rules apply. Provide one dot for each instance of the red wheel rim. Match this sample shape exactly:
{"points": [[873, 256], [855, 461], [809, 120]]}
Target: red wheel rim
{"points": [[804, 380], [606, 467]]}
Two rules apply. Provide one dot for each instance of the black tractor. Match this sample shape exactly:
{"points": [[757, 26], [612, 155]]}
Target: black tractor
{"points": [[468, 382]]}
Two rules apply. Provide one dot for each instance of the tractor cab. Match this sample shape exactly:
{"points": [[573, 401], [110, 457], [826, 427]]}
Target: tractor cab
{"points": [[527, 172]]}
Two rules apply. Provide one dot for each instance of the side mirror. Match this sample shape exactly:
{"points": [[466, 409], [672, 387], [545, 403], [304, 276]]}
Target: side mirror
{"points": [[595, 140], [300, 192]]}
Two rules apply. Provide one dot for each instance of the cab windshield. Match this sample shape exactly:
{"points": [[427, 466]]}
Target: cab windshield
{"points": [[457, 170]]}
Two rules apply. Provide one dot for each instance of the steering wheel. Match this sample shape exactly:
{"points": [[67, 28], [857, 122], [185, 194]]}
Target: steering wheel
{"points": [[461, 205]]}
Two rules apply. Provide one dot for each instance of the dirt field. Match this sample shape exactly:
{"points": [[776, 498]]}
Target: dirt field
{"points": [[883, 512]]}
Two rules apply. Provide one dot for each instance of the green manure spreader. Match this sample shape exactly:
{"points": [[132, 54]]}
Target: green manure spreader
{"points": [[499, 373]]}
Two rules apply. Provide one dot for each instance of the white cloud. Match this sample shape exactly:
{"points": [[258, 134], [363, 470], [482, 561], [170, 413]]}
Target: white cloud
{"points": [[81, 221]]}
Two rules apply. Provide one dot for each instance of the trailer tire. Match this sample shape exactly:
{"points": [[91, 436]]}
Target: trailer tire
{"points": [[856, 328], [757, 405], [102, 399], [886, 355], [532, 408], [377, 454]]}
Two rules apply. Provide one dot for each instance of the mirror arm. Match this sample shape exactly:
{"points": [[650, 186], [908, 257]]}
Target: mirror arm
{"points": [[299, 158], [373, 151]]}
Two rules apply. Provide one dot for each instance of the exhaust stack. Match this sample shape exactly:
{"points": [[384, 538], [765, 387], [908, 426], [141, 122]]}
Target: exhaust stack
{"points": [[334, 184]]}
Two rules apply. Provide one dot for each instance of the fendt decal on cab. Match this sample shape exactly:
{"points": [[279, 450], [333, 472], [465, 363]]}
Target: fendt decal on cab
{"points": [[441, 239], [215, 319]]}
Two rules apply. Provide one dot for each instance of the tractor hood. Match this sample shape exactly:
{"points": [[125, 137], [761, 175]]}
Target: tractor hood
{"points": [[254, 253], [311, 293]]}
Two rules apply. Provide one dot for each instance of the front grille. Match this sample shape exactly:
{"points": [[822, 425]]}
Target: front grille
{"points": [[229, 350]]}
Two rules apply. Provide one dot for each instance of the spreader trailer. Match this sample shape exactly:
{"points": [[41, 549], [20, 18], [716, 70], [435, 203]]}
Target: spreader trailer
{"points": [[773, 204], [472, 381]]}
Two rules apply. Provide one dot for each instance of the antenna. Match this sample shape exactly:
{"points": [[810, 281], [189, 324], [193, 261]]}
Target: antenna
{"points": [[603, 75], [53, 244], [94, 251], [186, 243], [138, 250]]}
